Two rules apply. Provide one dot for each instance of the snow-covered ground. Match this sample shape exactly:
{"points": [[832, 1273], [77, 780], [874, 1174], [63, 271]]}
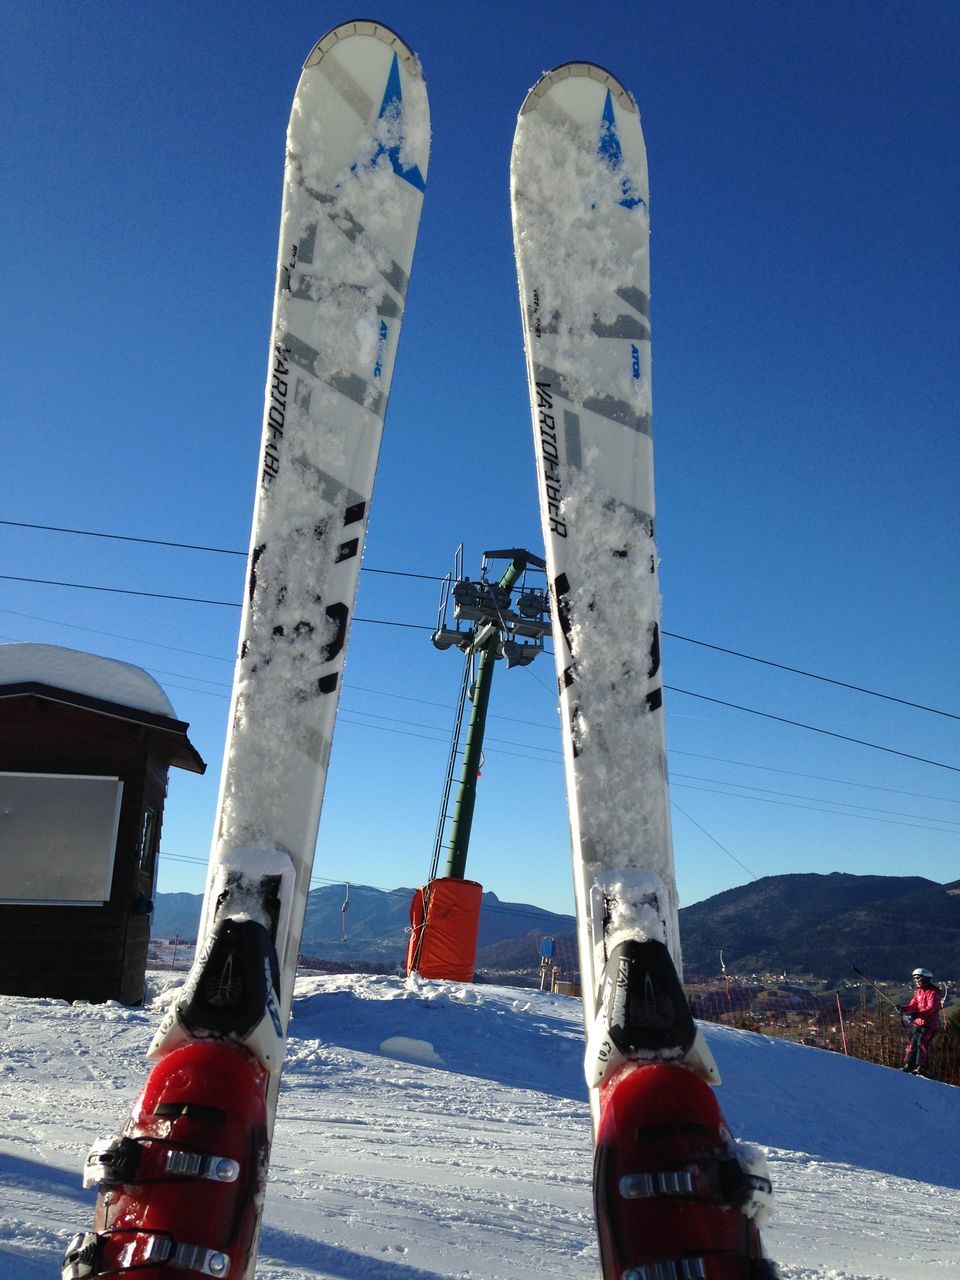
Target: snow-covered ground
{"points": [[433, 1131]]}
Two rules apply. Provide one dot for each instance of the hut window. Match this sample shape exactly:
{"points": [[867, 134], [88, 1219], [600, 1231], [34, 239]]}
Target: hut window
{"points": [[58, 837], [148, 843]]}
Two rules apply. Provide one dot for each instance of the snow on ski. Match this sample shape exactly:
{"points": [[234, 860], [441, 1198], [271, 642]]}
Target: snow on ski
{"points": [[581, 232], [182, 1186]]}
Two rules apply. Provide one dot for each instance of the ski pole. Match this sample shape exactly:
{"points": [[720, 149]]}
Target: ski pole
{"points": [[871, 983]]}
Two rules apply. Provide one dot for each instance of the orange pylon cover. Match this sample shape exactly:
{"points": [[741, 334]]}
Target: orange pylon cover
{"points": [[444, 920]]}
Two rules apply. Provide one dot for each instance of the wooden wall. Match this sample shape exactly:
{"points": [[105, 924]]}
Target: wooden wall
{"points": [[87, 952]]}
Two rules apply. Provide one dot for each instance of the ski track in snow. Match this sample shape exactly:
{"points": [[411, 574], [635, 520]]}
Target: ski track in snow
{"points": [[388, 1169]]}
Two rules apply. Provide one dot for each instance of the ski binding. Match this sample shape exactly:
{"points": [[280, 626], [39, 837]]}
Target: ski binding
{"points": [[642, 1013], [232, 990]]}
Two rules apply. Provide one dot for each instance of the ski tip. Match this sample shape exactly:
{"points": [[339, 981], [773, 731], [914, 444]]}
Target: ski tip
{"points": [[362, 27], [586, 70]]}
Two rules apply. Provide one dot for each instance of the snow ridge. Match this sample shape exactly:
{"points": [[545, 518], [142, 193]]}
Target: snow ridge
{"points": [[385, 1169]]}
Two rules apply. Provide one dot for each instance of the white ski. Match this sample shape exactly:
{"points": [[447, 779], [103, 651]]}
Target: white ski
{"points": [[581, 230], [357, 152], [667, 1173]]}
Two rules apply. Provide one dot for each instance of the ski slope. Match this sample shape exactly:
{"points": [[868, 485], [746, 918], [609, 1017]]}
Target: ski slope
{"points": [[431, 1131]]}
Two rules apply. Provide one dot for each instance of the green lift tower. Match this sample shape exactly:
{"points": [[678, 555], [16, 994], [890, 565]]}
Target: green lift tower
{"points": [[507, 619]]}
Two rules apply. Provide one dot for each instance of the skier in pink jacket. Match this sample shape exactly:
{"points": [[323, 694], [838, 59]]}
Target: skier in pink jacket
{"points": [[923, 1011]]}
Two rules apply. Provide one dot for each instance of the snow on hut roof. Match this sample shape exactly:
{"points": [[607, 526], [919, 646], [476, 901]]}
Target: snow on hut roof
{"points": [[105, 679]]}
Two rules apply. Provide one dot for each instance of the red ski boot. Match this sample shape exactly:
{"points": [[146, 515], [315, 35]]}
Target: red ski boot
{"points": [[179, 1188], [673, 1199]]}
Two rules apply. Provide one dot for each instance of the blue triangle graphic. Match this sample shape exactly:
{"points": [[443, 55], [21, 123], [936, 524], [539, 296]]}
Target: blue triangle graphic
{"points": [[392, 93], [608, 147], [393, 103], [609, 144]]}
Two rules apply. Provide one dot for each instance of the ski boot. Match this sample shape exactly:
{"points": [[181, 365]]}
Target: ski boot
{"points": [[179, 1188], [674, 1197]]}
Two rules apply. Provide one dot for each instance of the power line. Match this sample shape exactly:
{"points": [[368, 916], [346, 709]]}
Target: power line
{"points": [[835, 813], [389, 693], [796, 724], [786, 797], [791, 795], [674, 805], [228, 551], [415, 626], [447, 706], [384, 729], [402, 573], [186, 688], [422, 627], [120, 591], [213, 657], [388, 622], [186, 546], [162, 595], [814, 777], [510, 742], [114, 635], [497, 751], [543, 754], [811, 675], [546, 752], [179, 675], [123, 537]]}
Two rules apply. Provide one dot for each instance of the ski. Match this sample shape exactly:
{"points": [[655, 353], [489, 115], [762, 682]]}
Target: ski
{"points": [[667, 1172], [182, 1186]]}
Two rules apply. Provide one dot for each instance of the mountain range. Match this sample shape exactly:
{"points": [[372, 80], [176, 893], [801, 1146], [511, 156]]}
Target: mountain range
{"points": [[809, 924], [821, 924], [375, 925]]}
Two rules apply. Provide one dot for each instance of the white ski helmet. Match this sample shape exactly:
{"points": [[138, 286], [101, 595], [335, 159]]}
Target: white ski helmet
{"points": [[922, 973]]}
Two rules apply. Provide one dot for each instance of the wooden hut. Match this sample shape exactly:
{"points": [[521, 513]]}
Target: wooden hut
{"points": [[86, 744]]}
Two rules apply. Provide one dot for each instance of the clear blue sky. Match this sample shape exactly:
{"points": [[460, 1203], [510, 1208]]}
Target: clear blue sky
{"points": [[805, 205]]}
